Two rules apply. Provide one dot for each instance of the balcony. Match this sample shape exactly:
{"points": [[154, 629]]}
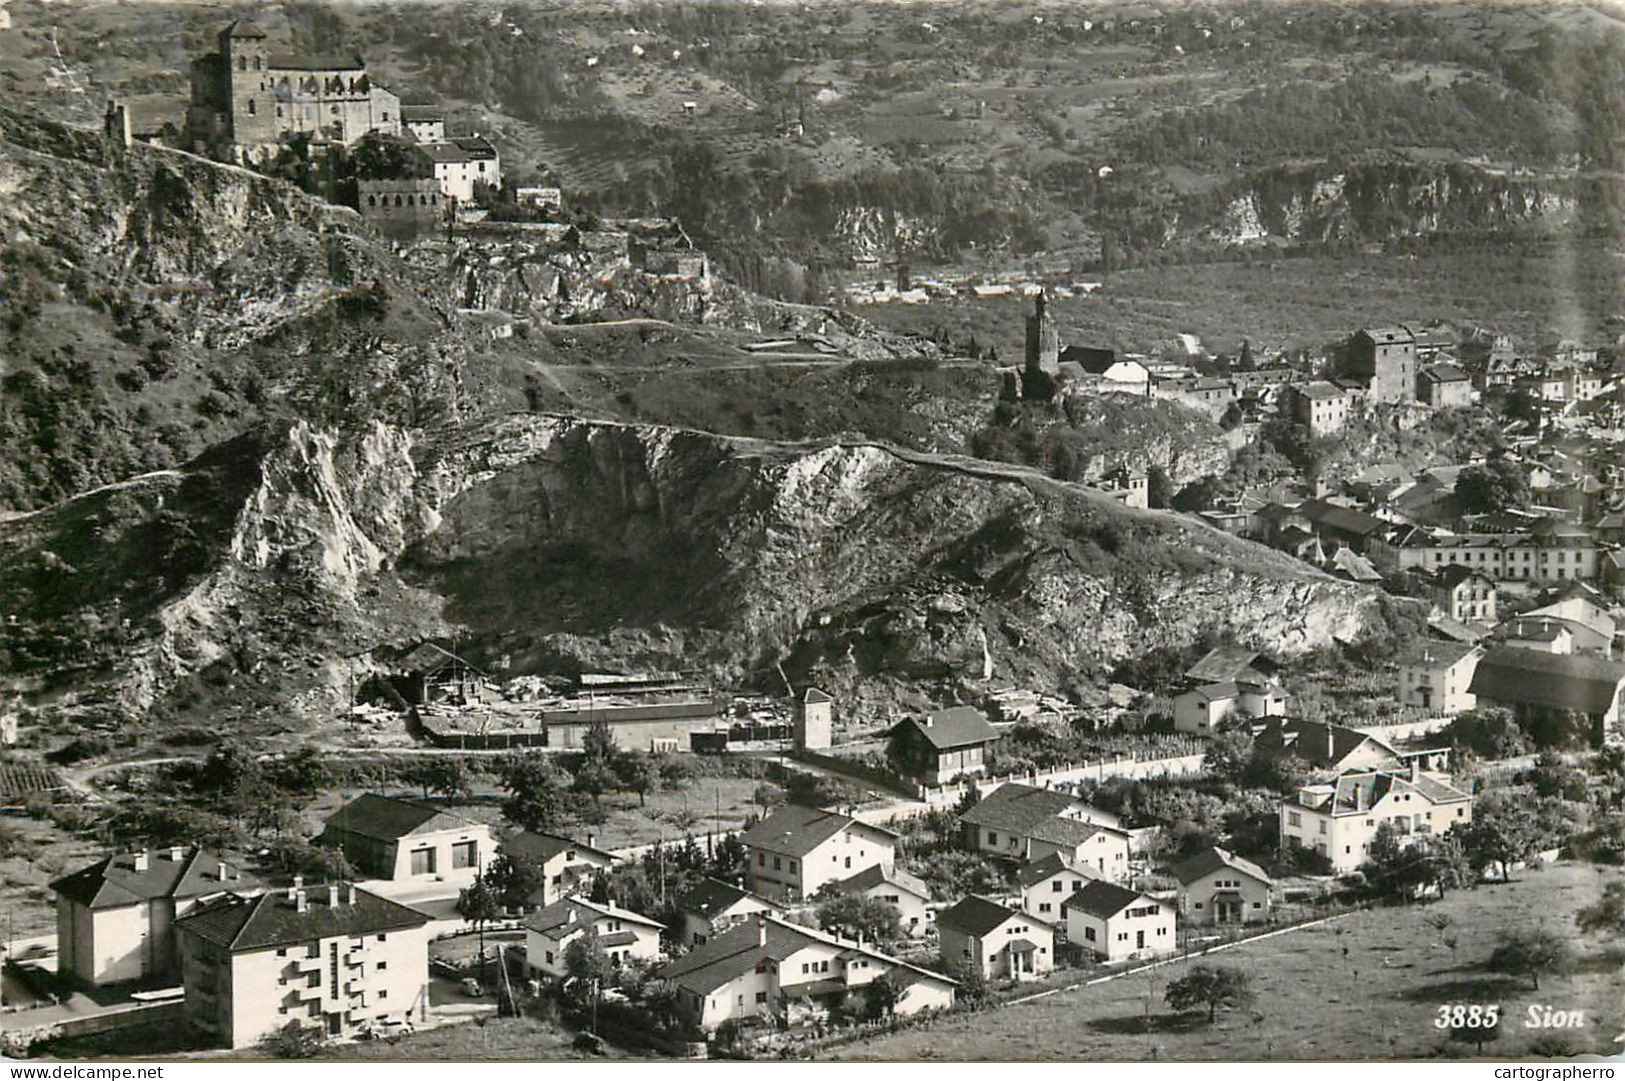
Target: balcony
{"points": [[308, 964], [309, 993]]}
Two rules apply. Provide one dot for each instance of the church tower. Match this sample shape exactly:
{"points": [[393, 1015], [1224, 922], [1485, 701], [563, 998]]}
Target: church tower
{"points": [[1043, 340], [250, 99]]}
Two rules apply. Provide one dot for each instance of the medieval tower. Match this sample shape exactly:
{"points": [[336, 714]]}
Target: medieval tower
{"points": [[252, 111], [1043, 340]]}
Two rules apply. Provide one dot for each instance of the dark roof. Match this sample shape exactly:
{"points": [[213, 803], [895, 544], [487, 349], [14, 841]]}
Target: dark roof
{"points": [[386, 818], [1215, 692], [1037, 871], [1330, 515], [1103, 899], [1388, 334], [542, 847], [1435, 655], [273, 919], [1356, 793], [421, 113], [1534, 629], [1454, 574], [793, 830], [1316, 742], [1088, 358], [1016, 807], [813, 696], [114, 881], [713, 964], [712, 895], [975, 916], [1320, 390], [1213, 859], [579, 911], [243, 28], [1443, 373], [961, 726], [876, 875], [1062, 831], [316, 61], [1555, 681], [1227, 664]]}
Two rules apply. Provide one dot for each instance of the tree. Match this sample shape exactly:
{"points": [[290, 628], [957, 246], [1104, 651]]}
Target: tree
{"points": [[1530, 953], [635, 772], [856, 914], [598, 741], [445, 776], [293, 1040], [1213, 986], [537, 796], [1500, 834], [479, 904], [767, 795], [1229, 752], [515, 879], [1493, 486], [973, 989], [1607, 915], [880, 996], [586, 963]]}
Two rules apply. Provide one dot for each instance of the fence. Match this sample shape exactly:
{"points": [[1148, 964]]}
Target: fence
{"points": [[1071, 773], [19, 1037], [1405, 729]]}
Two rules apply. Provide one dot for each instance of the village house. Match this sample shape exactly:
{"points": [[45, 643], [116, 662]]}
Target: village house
{"points": [[1544, 634], [1463, 594], [1584, 612], [423, 123], [1321, 407], [1024, 823], [1438, 676], [907, 894], [340, 958], [714, 906], [1443, 386], [998, 942], [115, 920], [1201, 709], [1046, 884], [1336, 525], [400, 840], [1323, 747], [566, 865], [464, 164], [1338, 819], [1550, 553], [795, 851], [1116, 924], [622, 934], [770, 971], [1104, 370], [1532, 683], [944, 745], [1217, 886]]}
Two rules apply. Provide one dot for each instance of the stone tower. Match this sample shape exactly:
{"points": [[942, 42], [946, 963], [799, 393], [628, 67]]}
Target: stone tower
{"points": [[813, 717], [1043, 340], [250, 99]]}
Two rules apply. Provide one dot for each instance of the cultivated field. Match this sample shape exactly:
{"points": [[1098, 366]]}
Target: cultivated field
{"points": [[1368, 985]]}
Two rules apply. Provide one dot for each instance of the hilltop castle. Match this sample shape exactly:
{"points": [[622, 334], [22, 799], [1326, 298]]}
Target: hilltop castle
{"points": [[247, 99]]}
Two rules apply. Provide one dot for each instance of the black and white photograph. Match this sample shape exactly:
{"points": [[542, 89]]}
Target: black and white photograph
{"points": [[635, 532]]}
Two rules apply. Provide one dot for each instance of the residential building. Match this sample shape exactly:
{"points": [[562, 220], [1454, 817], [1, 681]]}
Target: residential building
{"points": [[770, 971], [1321, 407], [115, 920], [567, 865], [1532, 683], [423, 123], [943, 745], [1337, 525], [340, 958], [795, 851], [1116, 924], [462, 164], [622, 934], [714, 906], [1438, 677], [398, 839], [1338, 819], [1545, 634], [1217, 886], [1024, 823], [1443, 386], [1323, 747], [1585, 613], [998, 942], [1554, 553], [1104, 370], [1201, 709], [1046, 884], [1232, 664], [1386, 357], [1463, 594], [907, 894]]}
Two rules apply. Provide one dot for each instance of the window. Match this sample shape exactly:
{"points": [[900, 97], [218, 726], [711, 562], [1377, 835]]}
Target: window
{"points": [[252, 108], [383, 995], [1293, 818], [761, 859], [777, 864], [463, 853], [1089, 933], [382, 965], [1055, 887], [423, 860], [761, 996], [382, 937], [992, 838]]}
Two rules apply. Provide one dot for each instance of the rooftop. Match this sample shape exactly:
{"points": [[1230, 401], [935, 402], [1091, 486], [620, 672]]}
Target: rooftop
{"points": [[128, 878], [975, 916], [793, 830], [961, 726], [1556, 681], [273, 919], [1213, 859], [386, 818], [1103, 899]]}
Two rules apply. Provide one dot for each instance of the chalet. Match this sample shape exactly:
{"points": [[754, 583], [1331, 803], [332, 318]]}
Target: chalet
{"points": [[1437, 676], [1201, 709], [795, 851], [714, 907], [944, 745], [1115, 923], [1218, 886], [998, 942], [1338, 819], [1323, 747], [1046, 884], [115, 920], [907, 894], [1532, 683], [622, 934], [566, 865], [1232, 664], [772, 972], [1024, 823], [340, 959], [399, 839]]}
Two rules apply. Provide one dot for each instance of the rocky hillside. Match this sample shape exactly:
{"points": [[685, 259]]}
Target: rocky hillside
{"points": [[259, 581]]}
